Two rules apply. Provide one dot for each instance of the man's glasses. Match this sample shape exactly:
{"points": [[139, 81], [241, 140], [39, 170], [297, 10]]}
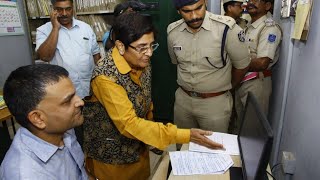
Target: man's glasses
{"points": [[143, 50], [237, 4], [60, 9]]}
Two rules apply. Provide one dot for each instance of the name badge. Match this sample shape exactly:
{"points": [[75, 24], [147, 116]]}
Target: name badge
{"points": [[177, 48]]}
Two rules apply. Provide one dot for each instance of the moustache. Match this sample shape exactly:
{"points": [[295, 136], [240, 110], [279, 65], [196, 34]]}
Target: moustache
{"points": [[251, 6], [63, 17], [195, 20]]}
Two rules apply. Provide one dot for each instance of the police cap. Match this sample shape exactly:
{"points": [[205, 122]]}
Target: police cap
{"points": [[180, 3], [226, 1]]}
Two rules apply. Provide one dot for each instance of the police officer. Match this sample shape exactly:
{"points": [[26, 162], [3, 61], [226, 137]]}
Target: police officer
{"points": [[211, 56], [234, 9], [263, 37]]}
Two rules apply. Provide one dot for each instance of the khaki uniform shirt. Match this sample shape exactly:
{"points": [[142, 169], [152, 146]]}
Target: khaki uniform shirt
{"points": [[242, 23], [263, 38], [192, 53]]}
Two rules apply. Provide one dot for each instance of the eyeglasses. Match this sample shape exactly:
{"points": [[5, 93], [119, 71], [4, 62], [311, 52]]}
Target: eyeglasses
{"points": [[60, 9], [239, 5], [143, 50]]}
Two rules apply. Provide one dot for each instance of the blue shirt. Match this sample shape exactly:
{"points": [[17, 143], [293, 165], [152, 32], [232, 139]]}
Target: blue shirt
{"points": [[30, 157], [75, 49]]}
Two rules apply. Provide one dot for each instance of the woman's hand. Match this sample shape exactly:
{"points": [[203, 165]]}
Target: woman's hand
{"points": [[198, 136]]}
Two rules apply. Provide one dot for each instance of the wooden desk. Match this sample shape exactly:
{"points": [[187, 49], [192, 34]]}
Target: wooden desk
{"points": [[163, 170], [5, 115]]}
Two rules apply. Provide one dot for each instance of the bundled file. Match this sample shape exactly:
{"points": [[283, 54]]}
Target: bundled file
{"points": [[191, 163], [96, 5], [39, 8], [97, 23]]}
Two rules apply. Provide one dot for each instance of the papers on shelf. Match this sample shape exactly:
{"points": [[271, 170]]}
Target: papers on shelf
{"points": [[229, 142], [190, 163]]}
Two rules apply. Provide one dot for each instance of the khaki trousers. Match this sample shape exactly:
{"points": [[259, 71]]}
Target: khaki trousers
{"points": [[261, 88], [206, 113]]}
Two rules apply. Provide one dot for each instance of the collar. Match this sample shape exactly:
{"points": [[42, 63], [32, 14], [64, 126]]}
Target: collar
{"points": [[120, 62], [259, 21], [205, 24], [42, 149]]}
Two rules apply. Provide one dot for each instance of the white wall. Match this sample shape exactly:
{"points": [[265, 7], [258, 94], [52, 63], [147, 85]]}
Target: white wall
{"points": [[296, 85], [214, 6], [14, 50]]}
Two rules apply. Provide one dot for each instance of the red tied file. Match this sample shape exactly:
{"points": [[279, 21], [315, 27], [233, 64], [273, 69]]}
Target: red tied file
{"points": [[249, 76]]}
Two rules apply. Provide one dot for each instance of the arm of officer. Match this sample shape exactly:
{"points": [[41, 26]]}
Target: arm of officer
{"points": [[238, 53], [237, 76], [170, 50], [268, 42]]}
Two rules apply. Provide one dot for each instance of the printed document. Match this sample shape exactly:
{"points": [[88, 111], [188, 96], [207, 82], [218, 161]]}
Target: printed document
{"points": [[229, 142], [190, 163]]}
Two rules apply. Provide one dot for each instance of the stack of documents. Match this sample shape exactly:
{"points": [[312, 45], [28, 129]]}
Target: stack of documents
{"points": [[202, 160], [190, 163]]}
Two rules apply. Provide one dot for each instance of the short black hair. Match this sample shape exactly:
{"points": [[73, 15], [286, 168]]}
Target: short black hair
{"points": [[225, 5], [25, 88], [54, 1], [130, 27], [135, 5]]}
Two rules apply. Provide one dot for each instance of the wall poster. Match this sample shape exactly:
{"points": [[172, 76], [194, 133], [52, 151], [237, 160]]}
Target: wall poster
{"points": [[10, 19]]}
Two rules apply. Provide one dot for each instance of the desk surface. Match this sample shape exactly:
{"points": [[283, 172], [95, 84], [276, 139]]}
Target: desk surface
{"points": [[163, 169], [4, 113]]}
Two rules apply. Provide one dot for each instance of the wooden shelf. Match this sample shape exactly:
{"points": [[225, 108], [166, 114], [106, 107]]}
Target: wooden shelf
{"points": [[94, 13], [41, 17]]}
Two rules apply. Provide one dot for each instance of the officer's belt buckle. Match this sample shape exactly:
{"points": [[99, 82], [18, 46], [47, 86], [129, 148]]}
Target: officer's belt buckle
{"points": [[194, 94]]}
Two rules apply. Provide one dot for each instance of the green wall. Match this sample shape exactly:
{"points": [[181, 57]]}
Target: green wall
{"points": [[164, 73]]}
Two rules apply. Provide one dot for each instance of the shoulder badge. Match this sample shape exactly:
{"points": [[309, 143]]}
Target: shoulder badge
{"points": [[272, 38], [229, 21], [269, 22], [174, 25], [242, 36]]}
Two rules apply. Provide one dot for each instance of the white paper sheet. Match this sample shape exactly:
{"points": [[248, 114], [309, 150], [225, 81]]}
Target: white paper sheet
{"points": [[229, 142], [190, 163]]}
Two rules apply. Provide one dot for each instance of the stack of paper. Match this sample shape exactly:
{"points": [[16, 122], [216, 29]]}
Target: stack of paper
{"points": [[190, 163], [229, 142], [2, 103]]}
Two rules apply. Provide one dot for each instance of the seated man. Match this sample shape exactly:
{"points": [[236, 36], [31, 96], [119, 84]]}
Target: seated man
{"points": [[43, 101]]}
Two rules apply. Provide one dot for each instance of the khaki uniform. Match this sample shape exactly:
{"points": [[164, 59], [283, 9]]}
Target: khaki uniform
{"points": [[242, 23], [195, 55], [263, 38]]}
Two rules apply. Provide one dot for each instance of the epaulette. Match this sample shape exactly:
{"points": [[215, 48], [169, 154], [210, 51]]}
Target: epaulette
{"points": [[174, 25], [269, 22], [229, 21]]}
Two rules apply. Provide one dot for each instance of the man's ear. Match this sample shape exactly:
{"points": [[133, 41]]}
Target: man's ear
{"points": [[268, 6], [37, 119], [120, 46]]}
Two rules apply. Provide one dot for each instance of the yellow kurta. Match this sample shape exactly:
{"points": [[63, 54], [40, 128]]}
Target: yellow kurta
{"points": [[120, 109]]}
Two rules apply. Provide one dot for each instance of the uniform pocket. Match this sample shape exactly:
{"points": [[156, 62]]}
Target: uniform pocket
{"points": [[212, 57]]}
